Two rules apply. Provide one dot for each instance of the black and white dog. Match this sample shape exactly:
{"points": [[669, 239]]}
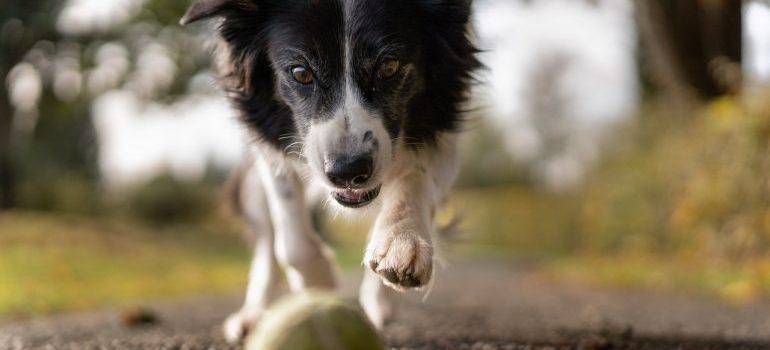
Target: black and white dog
{"points": [[354, 101]]}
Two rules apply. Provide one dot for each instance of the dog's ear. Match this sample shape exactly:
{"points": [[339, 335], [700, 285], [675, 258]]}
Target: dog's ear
{"points": [[212, 8]]}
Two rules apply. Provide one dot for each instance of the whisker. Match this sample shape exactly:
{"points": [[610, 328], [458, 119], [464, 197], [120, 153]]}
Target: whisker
{"points": [[293, 144], [306, 175], [288, 135], [298, 154]]}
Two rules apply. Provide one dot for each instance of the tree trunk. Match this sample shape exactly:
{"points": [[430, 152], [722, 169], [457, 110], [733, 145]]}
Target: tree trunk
{"points": [[693, 48], [7, 175]]}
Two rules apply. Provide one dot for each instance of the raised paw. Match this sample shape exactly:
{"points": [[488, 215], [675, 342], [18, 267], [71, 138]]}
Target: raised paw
{"points": [[403, 260], [238, 325]]}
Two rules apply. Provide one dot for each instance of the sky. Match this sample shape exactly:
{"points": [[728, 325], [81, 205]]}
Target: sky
{"points": [[597, 85]]}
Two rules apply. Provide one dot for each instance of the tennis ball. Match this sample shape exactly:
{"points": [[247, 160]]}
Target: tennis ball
{"points": [[314, 320]]}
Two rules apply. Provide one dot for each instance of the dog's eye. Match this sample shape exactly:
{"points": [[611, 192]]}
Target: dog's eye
{"points": [[387, 69], [302, 75]]}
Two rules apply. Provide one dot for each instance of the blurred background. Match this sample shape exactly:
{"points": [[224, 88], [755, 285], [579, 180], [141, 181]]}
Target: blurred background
{"points": [[611, 142]]}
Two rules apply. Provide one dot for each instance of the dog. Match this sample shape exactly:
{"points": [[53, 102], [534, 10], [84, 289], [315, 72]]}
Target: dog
{"points": [[352, 103]]}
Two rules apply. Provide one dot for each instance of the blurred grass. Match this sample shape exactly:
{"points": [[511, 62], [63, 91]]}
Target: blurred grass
{"points": [[57, 262], [53, 262], [735, 283]]}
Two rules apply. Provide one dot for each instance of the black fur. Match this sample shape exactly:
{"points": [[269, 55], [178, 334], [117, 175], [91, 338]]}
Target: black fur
{"points": [[266, 38]]}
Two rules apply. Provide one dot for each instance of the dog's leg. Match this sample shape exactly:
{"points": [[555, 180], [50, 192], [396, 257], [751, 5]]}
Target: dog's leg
{"points": [[399, 248], [375, 299], [301, 253], [263, 276]]}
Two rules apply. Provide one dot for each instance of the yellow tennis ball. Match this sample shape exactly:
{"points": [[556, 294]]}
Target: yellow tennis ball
{"points": [[314, 320]]}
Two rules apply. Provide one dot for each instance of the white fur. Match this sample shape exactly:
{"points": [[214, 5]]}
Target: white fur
{"points": [[263, 277], [416, 187], [375, 299], [343, 134], [275, 204]]}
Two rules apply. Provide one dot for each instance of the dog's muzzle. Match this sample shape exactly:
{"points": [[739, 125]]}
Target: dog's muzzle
{"points": [[351, 175], [349, 172]]}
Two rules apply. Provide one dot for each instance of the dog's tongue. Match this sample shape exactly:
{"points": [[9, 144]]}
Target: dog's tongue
{"points": [[353, 196]]}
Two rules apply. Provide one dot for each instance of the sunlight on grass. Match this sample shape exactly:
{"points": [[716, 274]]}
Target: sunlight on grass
{"points": [[51, 263], [61, 263], [737, 284]]}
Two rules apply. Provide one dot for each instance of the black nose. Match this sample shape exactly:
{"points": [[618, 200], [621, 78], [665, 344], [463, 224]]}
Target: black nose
{"points": [[349, 171]]}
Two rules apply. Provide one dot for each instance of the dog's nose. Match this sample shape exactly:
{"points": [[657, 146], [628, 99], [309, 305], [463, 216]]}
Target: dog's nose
{"points": [[350, 172]]}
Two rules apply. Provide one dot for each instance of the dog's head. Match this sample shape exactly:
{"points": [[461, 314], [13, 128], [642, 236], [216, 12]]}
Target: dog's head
{"points": [[351, 82]]}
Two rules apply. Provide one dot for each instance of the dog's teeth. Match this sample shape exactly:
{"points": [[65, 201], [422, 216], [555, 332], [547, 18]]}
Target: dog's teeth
{"points": [[354, 196]]}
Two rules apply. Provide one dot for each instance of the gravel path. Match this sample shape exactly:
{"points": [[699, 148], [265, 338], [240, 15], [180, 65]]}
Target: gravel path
{"points": [[489, 305]]}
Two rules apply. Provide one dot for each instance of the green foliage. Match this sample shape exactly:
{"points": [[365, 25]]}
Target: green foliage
{"points": [[485, 161], [695, 186], [57, 166], [62, 141], [520, 221], [165, 201], [164, 12], [66, 192]]}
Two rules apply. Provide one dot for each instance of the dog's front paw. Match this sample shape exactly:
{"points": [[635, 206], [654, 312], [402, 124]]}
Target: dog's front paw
{"points": [[238, 325], [403, 260]]}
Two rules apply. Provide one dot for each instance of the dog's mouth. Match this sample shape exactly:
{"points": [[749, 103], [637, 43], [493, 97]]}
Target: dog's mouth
{"points": [[355, 198]]}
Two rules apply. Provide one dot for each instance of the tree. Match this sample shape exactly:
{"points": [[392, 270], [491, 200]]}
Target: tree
{"points": [[22, 24], [62, 140], [692, 48]]}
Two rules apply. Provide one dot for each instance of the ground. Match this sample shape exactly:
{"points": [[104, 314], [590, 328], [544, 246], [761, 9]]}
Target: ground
{"points": [[473, 305]]}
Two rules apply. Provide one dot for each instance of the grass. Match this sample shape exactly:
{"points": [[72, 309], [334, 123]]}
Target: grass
{"points": [[55, 263], [733, 283]]}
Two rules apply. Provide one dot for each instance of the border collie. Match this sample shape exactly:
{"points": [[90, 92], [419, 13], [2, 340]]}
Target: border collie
{"points": [[353, 102]]}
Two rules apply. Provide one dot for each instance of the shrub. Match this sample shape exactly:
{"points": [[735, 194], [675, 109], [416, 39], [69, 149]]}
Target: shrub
{"points": [[165, 201], [692, 185]]}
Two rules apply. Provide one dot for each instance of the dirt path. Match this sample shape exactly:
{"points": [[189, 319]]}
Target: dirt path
{"points": [[473, 306]]}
